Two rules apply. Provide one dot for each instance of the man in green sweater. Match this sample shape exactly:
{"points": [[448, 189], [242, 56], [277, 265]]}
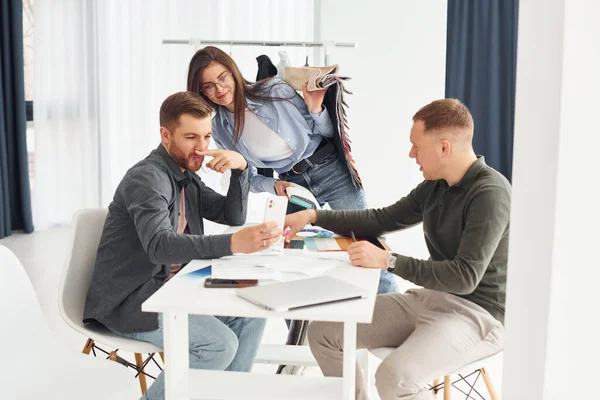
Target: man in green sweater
{"points": [[457, 316]]}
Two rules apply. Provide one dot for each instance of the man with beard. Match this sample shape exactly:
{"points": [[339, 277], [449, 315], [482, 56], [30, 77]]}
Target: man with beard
{"points": [[154, 226]]}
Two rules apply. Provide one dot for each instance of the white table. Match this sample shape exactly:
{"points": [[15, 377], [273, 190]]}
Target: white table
{"points": [[180, 297]]}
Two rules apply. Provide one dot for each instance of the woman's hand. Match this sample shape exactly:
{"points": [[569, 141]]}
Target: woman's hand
{"points": [[313, 99], [280, 187]]}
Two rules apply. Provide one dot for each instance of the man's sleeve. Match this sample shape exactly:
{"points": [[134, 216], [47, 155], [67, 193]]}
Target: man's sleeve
{"points": [[486, 223], [403, 214], [146, 197], [231, 209]]}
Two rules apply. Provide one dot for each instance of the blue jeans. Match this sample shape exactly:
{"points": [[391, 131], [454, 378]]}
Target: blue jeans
{"points": [[216, 343], [330, 182]]}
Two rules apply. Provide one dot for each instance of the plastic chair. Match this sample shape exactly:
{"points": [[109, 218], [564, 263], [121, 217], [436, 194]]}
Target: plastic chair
{"points": [[75, 281], [477, 368], [35, 365]]}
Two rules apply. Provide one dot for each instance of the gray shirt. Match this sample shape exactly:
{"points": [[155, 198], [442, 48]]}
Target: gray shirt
{"points": [[466, 230], [139, 240]]}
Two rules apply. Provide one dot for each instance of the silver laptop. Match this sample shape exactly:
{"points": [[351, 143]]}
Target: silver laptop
{"points": [[288, 296]]}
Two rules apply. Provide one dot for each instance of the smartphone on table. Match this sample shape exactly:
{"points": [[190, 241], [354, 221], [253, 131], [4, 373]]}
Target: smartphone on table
{"points": [[229, 283]]}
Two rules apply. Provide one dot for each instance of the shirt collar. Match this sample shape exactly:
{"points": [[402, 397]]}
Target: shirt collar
{"points": [[182, 178], [471, 175]]}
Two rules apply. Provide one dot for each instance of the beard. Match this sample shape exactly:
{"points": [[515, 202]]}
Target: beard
{"points": [[183, 160]]}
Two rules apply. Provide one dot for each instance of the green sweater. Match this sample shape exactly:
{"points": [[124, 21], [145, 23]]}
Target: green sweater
{"points": [[466, 230]]}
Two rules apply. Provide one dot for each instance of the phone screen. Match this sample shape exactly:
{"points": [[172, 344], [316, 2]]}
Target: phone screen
{"points": [[229, 283]]}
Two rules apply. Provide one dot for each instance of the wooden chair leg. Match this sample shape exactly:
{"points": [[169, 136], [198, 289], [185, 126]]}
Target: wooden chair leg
{"points": [[447, 387], [434, 384], [162, 356], [488, 384], [139, 361], [88, 346]]}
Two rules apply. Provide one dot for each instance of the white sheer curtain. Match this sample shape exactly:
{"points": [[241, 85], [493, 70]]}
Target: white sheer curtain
{"points": [[65, 112], [102, 73]]}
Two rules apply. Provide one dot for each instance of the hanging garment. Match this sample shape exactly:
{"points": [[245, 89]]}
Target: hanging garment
{"points": [[328, 78], [266, 69], [284, 61]]}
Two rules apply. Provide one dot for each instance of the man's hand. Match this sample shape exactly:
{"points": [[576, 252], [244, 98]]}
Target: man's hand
{"points": [[297, 221], [364, 254], [224, 160], [280, 187], [313, 99], [255, 238]]}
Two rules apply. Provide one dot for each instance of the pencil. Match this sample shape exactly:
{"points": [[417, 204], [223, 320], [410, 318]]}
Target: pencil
{"points": [[353, 237]]}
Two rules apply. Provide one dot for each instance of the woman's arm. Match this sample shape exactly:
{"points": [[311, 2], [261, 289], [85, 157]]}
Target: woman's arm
{"points": [[317, 123]]}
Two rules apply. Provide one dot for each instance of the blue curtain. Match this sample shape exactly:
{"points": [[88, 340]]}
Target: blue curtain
{"points": [[15, 196], [481, 67]]}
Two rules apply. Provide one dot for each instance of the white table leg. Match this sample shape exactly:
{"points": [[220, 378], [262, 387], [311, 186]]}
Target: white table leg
{"points": [[177, 354], [349, 360]]}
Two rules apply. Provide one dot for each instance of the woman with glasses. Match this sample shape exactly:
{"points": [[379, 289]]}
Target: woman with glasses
{"points": [[272, 126]]}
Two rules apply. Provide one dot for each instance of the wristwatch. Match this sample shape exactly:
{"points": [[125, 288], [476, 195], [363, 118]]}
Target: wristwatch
{"points": [[391, 262]]}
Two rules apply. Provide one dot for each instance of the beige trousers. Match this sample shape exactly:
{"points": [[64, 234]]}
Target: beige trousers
{"points": [[435, 333]]}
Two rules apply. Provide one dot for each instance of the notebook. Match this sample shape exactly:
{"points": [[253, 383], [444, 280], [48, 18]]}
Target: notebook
{"points": [[293, 295]]}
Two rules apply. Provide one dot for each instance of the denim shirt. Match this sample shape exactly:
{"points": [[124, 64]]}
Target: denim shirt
{"points": [[290, 119]]}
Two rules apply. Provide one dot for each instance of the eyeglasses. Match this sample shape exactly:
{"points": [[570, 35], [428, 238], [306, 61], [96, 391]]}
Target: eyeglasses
{"points": [[210, 88]]}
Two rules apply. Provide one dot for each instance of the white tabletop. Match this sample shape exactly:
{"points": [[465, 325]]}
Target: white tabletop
{"points": [[186, 295]]}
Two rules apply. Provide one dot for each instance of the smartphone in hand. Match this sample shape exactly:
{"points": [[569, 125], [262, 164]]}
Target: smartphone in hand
{"points": [[275, 209], [229, 283]]}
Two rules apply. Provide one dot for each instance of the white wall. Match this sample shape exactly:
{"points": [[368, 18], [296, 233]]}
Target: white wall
{"points": [[551, 346], [398, 67], [164, 70]]}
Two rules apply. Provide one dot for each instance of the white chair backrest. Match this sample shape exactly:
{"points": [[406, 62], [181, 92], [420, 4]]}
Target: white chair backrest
{"points": [[79, 264], [22, 319], [34, 364]]}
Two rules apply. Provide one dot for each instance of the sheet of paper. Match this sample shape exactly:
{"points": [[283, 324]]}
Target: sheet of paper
{"points": [[246, 268], [273, 268]]}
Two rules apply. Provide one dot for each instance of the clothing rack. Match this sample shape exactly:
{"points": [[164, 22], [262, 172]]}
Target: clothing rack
{"points": [[326, 44]]}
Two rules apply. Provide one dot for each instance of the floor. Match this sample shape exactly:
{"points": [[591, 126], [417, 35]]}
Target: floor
{"points": [[42, 254]]}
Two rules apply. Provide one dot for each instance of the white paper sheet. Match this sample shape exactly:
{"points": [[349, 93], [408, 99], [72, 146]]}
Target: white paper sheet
{"points": [[274, 268]]}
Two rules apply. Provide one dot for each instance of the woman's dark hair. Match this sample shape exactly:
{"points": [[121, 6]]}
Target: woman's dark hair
{"points": [[243, 87]]}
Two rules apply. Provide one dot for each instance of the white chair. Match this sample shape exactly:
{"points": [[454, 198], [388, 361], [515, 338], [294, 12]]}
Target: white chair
{"points": [[75, 281], [477, 368], [34, 364]]}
